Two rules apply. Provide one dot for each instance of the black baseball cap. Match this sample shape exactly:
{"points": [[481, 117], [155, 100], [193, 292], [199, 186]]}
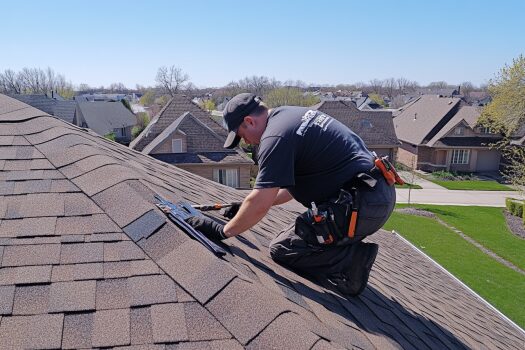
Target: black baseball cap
{"points": [[236, 109]]}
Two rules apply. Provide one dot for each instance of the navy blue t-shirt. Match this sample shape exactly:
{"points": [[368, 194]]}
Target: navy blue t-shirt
{"points": [[309, 153]]}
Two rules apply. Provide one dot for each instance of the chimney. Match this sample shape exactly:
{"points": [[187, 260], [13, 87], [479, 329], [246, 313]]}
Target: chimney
{"points": [[415, 116]]}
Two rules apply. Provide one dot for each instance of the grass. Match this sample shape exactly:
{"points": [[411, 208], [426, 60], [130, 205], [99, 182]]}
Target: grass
{"points": [[407, 185], [471, 185], [486, 225], [496, 283]]}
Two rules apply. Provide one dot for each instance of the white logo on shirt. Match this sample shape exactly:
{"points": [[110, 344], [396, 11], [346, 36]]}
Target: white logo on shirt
{"points": [[313, 118]]}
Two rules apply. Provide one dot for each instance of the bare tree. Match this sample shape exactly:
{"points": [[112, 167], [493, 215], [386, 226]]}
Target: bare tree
{"points": [[376, 85], [10, 82], [390, 87], [171, 80], [117, 87], [466, 88], [438, 85]]}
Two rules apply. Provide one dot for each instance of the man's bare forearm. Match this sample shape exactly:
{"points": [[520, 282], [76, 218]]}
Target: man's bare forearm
{"points": [[253, 209], [283, 196]]}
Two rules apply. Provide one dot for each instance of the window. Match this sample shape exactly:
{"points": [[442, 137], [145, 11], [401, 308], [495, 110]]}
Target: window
{"points": [[458, 130], [485, 130], [176, 146], [120, 132], [228, 177], [460, 156]]}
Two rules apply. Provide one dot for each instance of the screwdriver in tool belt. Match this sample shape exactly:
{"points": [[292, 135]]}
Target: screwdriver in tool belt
{"points": [[207, 207]]}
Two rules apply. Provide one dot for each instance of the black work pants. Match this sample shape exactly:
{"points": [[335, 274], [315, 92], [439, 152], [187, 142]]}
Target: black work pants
{"points": [[289, 249]]}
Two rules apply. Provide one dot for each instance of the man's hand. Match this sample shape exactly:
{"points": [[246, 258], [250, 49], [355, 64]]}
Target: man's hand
{"points": [[211, 229], [230, 212]]}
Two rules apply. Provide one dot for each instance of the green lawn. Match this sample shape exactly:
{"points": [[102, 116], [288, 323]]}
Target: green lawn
{"points": [[486, 225], [496, 283], [471, 185], [407, 185]]}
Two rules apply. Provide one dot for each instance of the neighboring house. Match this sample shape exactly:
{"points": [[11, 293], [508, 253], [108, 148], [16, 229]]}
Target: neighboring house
{"points": [[441, 133], [185, 135], [52, 104], [367, 104], [443, 92], [89, 261], [105, 118], [374, 127]]}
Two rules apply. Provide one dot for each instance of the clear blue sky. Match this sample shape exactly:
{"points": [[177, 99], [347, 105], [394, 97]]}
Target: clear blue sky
{"points": [[215, 42]]}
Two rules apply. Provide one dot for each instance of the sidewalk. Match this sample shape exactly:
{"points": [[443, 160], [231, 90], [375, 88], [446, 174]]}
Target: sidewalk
{"points": [[456, 197]]}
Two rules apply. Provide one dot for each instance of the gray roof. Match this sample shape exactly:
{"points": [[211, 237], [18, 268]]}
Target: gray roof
{"points": [[103, 117], [223, 157], [468, 114], [170, 129], [178, 105], [374, 127], [63, 109], [422, 118], [88, 261]]}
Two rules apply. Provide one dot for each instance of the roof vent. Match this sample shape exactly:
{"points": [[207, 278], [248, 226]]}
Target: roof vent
{"points": [[415, 116]]}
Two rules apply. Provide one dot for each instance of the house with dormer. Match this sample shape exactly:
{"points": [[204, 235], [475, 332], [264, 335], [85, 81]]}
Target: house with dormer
{"points": [[442, 133]]}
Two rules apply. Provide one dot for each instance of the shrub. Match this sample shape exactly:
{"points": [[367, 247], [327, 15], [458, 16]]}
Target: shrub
{"points": [[444, 175], [514, 206]]}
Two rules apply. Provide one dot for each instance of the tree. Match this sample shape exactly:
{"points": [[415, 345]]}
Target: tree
{"points": [[506, 114], [466, 88], [208, 105], [171, 80], [148, 98], [34, 81], [438, 85], [390, 87], [376, 86], [287, 96], [143, 120]]}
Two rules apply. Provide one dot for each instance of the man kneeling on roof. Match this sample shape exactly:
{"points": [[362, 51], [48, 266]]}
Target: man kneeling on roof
{"points": [[311, 157]]}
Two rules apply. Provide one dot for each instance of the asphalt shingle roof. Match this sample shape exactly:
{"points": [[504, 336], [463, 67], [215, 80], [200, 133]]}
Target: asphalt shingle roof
{"points": [[63, 109], [374, 127], [469, 114], [104, 117], [177, 106], [422, 118], [81, 266]]}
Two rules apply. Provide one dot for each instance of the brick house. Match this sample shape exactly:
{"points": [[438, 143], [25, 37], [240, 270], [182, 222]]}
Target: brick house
{"points": [[185, 135], [374, 127], [441, 133]]}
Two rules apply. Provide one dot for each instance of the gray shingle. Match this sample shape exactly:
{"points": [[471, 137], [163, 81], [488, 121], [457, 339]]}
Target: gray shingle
{"points": [[79, 204], [44, 226], [72, 296], [97, 223], [245, 309], [156, 289], [77, 331], [31, 332], [124, 250], [111, 328], [113, 294], [104, 177], [141, 330], [115, 202], [169, 323], [286, 332], [77, 272], [25, 275], [203, 274], [31, 300], [6, 299], [144, 226], [31, 255], [164, 241], [82, 253], [201, 325], [130, 268]]}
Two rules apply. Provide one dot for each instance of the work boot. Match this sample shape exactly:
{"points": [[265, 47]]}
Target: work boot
{"points": [[354, 280]]}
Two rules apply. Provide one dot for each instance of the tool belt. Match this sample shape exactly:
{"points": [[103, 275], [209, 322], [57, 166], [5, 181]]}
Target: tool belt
{"points": [[335, 221]]}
